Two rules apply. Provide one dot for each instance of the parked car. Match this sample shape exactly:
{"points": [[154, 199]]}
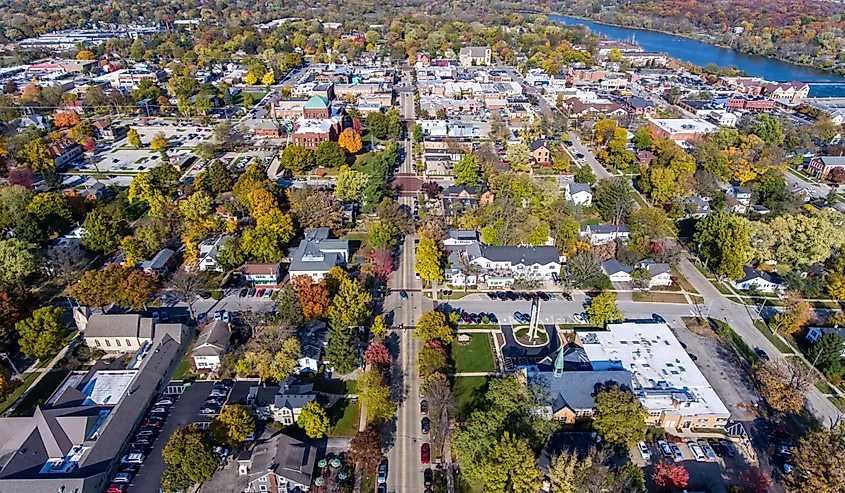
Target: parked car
{"points": [[676, 452], [151, 423], [493, 318], [243, 293], [382, 472], [424, 425], [210, 410], [665, 449], [259, 293], [567, 296], [716, 446], [644, 451], [251, 292], [147, 432], [159, 410], [708, 451], [657, 318], [116, 488], [696, 451], [129, 468], [268, 293], [428, 477], [424, 407], [729, 447], [133, 459], [492, 295], [165, 402], [141, 442], [425, 453]]}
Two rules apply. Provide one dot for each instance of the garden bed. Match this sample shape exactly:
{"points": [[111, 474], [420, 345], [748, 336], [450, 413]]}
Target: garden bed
{"points": [[521, 336]]}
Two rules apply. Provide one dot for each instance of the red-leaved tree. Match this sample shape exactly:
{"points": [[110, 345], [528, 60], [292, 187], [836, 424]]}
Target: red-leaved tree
{"points": [[377, 354], [357, 126], [756, 480], [22, 176], [670, 476], [382, 260]]}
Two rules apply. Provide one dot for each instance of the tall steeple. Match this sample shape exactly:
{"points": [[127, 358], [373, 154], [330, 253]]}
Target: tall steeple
{"points": [[559, 363]]}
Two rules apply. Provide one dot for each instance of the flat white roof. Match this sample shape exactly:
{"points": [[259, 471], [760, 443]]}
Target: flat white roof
{"points": [[661, 367], [679, 125], [108, 386]]}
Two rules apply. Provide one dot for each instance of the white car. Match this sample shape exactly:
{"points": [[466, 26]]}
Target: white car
{"points": [[644, 451], [697, 452], [579, 319]]}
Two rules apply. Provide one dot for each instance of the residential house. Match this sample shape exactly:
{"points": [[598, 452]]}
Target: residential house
{"points": [[593, 108], [815, 333], [821, 166], [661, 274], [262, 274], [475, 55], [457, 237], [644, 158], [600, 234], [313, 338], [696, 207], [641, 107], [162, 262], [103, 130], [317, 253], [114, 332], [579, 194], [739, 199], [208, 250], [278, 463], [500, 266], [65, 152], [540, 152], [36, 121], [292, 397], [458, 198], [211, 346], [616, 270], [763, 282]]}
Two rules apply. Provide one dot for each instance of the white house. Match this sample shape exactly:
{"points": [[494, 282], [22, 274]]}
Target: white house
{"points": [[209, 248], [316, 254], [815, 333], [313, 338], [278, 463], [616, 270], [579, 194], [292, 397], [499, 266], [739, 199], [262, 274], [661, 274], [605, 233], [763, 282], [211, 345]]}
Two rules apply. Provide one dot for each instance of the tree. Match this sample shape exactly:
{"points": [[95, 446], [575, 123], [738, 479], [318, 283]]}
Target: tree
{"points": [[584, 174], [642, 138], [330, 154], [102, 232], [379, 327], [268, 79], [232, 426], [134, 138], [768, 128], [313, 420], [269, 365], [818, 461], [297, 158], [647, 225], [350, 184], [603, 310], [756, 480], [836, 286], [429, 263], [189, 452], [251, 79], [187, 286], [670, 476], [159, 142], [349, 307], [641, 278], [350, 140], [365, 448], [313, 297], [37, 157], [377, 354], [511, 467], [289, 310], [51, 210], [319, 209], [620, 418], [796, 313], [434, 326], [519, 158], [826, 351], [431, 359], [17, 261], [66, 119], [389, 211], [85, 55], [613, 200], [342, 349], [467, 171], [376, 396], [65, 262], [42, 334], [724, 240]]}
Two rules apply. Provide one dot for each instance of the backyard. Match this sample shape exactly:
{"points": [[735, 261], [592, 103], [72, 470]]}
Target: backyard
{"points": [[343, 418]]}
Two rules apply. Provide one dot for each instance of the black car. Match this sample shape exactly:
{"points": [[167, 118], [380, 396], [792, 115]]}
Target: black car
{"points": [[761, 354], [543, 296], [424, 425], [492, 295], [502, 295], [525, 296], [243, 293], [493, 318], [567, 296], [423, 407], [513, 296], [428, 477], [657, 318], [716, 446]]}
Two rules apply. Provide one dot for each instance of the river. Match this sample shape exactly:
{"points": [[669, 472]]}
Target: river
{"points": [[822, 84]]}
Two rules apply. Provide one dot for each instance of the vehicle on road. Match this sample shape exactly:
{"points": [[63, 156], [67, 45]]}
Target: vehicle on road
{"points": [[646, 455], [425, 424], [403, 295], [165, 402], [382, 472], [696, 451], [116, 488], [761, 354], [665, 449], [425, 453]]}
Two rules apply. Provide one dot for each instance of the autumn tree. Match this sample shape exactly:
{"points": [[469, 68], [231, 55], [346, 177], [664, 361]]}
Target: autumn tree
{"points": [[350, 140], [511, 466], [795, 314], [377, 354], [434, 325], [670, 477], [432, 359], [268, 364], [375, 393], [313, 297], [429, 263], [189, 454], [66, 119], [379, 327], [818, 461], [756, 480], [37, 157], [365, 448], [17, 261], [603, 310], [232, 425], [159, 142], [134, 138], [103, 231], [467, 171], [350, 184], [297, 158], [42, 334], [620, 418], [313, 420], [519, 158]]}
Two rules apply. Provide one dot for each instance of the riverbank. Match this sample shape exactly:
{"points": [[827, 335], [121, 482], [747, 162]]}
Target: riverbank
{"points": [[822, 74]]}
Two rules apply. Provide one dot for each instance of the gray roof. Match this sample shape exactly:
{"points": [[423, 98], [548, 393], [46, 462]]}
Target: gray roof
{"points": [[655, 268], [578, 187], [750, 274], [160, 260], [316, 252], [525, 255], [284, 455], [312, 338], [614, 266], [538, 144], [575, 389], [463, 234], [832, 160], [119, 325], [294, 394], [213, 339], [606, 228]]}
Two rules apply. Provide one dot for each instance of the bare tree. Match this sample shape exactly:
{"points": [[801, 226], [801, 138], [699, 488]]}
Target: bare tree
{"points": [[187, 286], [65, 262]]}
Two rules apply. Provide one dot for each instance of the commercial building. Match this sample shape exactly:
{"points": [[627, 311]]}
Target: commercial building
{"points": [[309, 133], [677, 129], [821, 166]]}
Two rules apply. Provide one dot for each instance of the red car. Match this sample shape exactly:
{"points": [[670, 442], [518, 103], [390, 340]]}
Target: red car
{"points": [[425, 454], [116, 488], [147, 423]]}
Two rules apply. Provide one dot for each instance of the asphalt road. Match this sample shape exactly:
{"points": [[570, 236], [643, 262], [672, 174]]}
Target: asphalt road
{"points": [[578, 146]]}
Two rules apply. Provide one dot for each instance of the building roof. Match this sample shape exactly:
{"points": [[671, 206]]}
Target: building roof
{"points": [[606, 229], [832, 160], [318, 253], [463, 234], [521, 255], [655, 268], [578, 188], [254, 269], [751, 274], [538, 144], [575, 389], [316, 102], [313, 336], [316, 125], [119, 325], [614, 266], [160, 260], [474, 51], [213, 339], [684, 125], [285, 456], [294, 394]]}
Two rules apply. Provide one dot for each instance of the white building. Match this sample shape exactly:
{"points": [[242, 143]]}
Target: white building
{"points": [[600, 234], [209, 248], [475, 55], [211, 345], [763, 282], [616, 270], [661, 274], [579, 194], [434, 128], [500, 266], [317, 253], [262, 274]]}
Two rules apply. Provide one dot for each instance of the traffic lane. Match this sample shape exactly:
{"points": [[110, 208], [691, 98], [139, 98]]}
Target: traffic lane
{"points": [[598, 169], [183, 412]]}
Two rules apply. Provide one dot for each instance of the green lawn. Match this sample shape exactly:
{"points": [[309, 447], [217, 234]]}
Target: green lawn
{"points": [[648, 297], [40, 392], [823, 387], [475, 356], [721, 287], [183, 371], [782, 347], [741, 346], [343, 416], [839, 403], [468, 392], [27, 378]]}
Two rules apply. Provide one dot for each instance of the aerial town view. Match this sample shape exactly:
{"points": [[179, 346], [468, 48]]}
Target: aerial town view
{"points": [[472, 246]]}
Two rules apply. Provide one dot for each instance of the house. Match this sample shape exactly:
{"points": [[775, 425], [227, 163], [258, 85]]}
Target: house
{"points": [[292, 397], [114, 332], [262, 274], [540, 152], [641, 107], [644, 158], [266, 128], [821, 166], [739, 198], [208, 250], [474, 55], [317, 253], [592, 108], [616, 270], [579, 194], [661, 274], [457, 237], [815, 333], [160, 263], [600, 234], [278, 463], [763, 282], [211, 345], [313, 338], [696, 207], [103, 130], [65, 152], [36, 121], [500, 266], [458, 198]]}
